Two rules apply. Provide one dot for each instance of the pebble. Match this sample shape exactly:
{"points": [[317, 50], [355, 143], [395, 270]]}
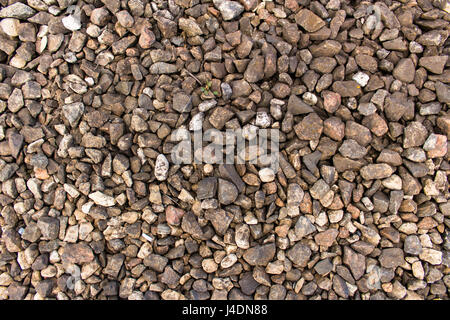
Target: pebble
{"points": [[17, 10], [102, 199], [227, 192], [361, 78], [228, 9], [266, 175], [161, 167], [71, 23]]}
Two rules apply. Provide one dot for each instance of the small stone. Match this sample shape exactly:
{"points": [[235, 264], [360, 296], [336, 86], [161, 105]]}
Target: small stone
{"points": [[323, 267], [182, 102], [49, 228], [404, 70], [161, 167], [361, 78], [434, 64], [207, 105], [351, 149], [310, 128], [412, 245], [73, 112], [431, 256], [326, 238], [436, 146], [442, 92], [255, 70], [227, 192], [100, 16], [266, 175], [297, 106], [391, 258], [260, 255], [220, 116], [308, 20], [17, 10], [376, 171], [207, 188], [309, 98], [348, 88], [196, 122], [393, 182], [414, 135], [156, 262], [299, 254], [174, 215], [71, 23], [228, 9], [304, 227], [125, 19], [102, 199], [10, 26], [262, 119], [78, 253], [163, 68], [331, 101], [355, 261]]}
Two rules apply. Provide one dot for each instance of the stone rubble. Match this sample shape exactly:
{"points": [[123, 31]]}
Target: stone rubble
{"points": [[94, 206]]}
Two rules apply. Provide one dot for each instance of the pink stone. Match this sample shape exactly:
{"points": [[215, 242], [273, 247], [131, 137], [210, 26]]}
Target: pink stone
{"points": [[147, 38], [440, 149], [174, 215], [331, 101]]}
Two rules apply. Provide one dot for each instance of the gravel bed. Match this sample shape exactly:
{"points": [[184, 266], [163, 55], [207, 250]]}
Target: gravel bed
{"points": [[96, 95]]}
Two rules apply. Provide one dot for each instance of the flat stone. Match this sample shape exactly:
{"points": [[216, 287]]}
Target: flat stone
{"points": [[349, 88], [102, 199], [207, 188], [17, 10], [351, 149], [391, 258], [404, 70], [355, 261], [260, 255], [182, 102], [308, 20], [73, 112], [310, 128], [78, 253], [376, 171], [228, 9], [434, 64], [255, 70], [227, 192], [412, 245], [326, 238], [299, 254]]}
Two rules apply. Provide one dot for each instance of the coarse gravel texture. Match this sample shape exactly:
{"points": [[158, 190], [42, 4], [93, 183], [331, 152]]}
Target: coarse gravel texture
{"points": [[94, 207]]}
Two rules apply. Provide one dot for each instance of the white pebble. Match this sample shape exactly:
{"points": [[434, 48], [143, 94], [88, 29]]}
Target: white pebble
{"points": [[161, 167], [309, 98], [361, 78], [262, 119], [71, 23], [266, 175]]}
